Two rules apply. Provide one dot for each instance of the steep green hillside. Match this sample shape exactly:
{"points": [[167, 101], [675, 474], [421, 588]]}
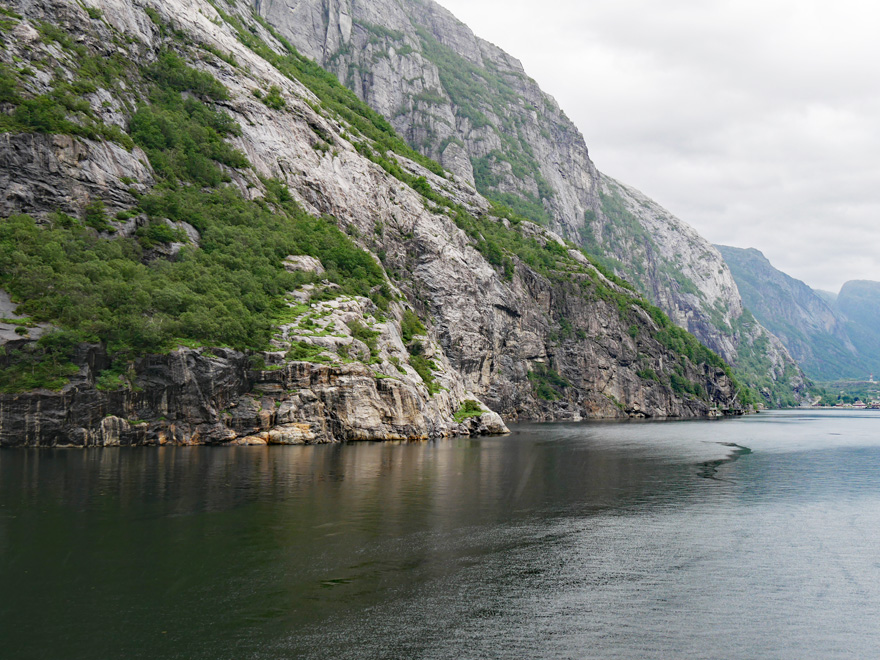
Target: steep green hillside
{"points": [[93, 285]]}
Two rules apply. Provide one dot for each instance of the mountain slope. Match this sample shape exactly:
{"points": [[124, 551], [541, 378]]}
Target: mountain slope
{"points": [[206, 239], [859, 302], [809, 327], [466, 103]]}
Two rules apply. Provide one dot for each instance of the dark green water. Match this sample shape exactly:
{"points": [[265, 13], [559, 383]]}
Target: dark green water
{"points": [[636, 540]]}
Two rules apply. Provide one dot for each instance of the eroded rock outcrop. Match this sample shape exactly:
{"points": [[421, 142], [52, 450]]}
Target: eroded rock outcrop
{"points": [[60, 173], [193, 397]]}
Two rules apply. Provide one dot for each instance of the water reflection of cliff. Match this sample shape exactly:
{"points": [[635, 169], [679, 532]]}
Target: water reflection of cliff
{"points": [[245, 538], [341, 551], [452, 482]]}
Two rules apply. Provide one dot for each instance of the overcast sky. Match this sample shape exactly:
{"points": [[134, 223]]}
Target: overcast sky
{"points": [[756, 121]]}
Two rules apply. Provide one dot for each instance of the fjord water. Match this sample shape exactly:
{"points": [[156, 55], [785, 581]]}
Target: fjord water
{"points": [[756, 537]]}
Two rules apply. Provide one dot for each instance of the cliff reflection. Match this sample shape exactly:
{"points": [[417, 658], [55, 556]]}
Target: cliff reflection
{"points": [[374, 488], [245, 537]]}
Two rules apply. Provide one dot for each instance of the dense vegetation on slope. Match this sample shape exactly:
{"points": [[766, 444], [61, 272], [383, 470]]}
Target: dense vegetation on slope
{"points": [[94, 286]]}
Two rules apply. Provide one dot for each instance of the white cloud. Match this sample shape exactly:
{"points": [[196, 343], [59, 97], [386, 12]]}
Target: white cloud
{"points": [[754, 121]]}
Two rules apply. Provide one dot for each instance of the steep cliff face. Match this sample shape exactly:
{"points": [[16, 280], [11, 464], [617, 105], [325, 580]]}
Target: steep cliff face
{"points": [[152, 142], [812, 330], [459, 99], [469, 105]]}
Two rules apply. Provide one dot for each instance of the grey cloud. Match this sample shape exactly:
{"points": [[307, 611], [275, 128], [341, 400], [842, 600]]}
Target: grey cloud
{"points": [[753, 121]]}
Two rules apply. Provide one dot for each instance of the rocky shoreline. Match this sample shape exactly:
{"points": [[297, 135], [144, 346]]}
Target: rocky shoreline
{"points": [[195, 397], [190, 398]]}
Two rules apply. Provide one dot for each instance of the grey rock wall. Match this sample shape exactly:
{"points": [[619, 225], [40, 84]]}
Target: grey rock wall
{"points": [[471, 106]]}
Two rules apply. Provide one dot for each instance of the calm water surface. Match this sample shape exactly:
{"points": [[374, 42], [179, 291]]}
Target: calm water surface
{"points": [[756, 537]]}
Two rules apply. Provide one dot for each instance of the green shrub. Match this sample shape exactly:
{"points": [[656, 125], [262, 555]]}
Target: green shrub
{"points": [[229, 58], [648, 374], [547, 383], [170, 72], [43, 114], [683, 386], [109, 380], [410, 326], [396, 362], [364, 334], [425, 369], [8, 85], [95, 216], [469, 408], [304, 352], [273, 98], [160, 232]]}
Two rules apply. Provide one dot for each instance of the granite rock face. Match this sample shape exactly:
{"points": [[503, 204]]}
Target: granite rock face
{"points": [[521, 343], [471, 107], [52, 173], [191, 397]]}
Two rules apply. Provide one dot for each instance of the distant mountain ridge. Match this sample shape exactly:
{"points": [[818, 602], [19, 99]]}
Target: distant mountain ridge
{"points": [[831, 336], [859, 303]]}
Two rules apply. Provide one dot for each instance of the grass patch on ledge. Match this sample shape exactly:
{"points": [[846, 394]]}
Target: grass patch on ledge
{"points": [[469, 408], [425, 369], [301, 351]]}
